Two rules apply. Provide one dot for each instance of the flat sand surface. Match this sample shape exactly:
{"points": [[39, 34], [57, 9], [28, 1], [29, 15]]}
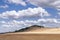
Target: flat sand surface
{"points": [[34, 34], [30, 37]]}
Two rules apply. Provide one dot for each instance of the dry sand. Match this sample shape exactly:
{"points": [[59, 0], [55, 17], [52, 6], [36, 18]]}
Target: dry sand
{"points": [[33, 34], [41, 31]]}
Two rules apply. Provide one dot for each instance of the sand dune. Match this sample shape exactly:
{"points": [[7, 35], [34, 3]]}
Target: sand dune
{"points": [[33, 34], [41, 31]]}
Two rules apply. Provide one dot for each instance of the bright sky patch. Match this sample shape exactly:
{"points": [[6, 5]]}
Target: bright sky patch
{"points": [[18, 14]]}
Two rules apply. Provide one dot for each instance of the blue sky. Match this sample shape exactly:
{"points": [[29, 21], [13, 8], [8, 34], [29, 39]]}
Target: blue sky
{"points": [[14, 6], [18, 14], [18, 7]]}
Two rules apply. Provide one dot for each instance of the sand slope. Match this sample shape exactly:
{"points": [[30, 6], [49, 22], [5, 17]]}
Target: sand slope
{"points": [[33, 34], [41, 31]]}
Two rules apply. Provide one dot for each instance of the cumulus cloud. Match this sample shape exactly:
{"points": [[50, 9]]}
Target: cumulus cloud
{"points": [[4, 6], [21, 2], [46, 3], [11, 26], [14, 24], [58, 13], [28, 12]]}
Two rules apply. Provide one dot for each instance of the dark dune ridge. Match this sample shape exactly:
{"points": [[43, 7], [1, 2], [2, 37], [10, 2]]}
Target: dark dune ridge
{"points": [[24, 29], [27, 28]]}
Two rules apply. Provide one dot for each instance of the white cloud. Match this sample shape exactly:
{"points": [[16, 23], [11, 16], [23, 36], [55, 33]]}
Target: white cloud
{"points": [[45, 3], [21, 2], [12, 25], [59, 13], [57, 4], [49, 20], [28, 12], [16, 25], [4, 6]]}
